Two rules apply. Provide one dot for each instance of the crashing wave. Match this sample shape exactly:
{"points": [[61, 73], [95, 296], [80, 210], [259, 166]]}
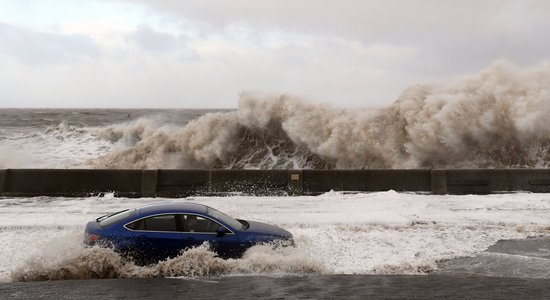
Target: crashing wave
{"points": [[495, 119]]}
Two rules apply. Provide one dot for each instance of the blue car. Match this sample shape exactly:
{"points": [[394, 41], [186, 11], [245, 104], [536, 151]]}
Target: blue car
{"points": [[155, 232]]}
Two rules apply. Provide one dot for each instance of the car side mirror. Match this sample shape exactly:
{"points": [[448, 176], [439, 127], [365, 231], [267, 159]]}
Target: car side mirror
{"points": [[220, 231]]}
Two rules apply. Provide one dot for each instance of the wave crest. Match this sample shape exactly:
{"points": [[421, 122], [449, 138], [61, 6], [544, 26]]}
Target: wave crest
{"points": [[497, 118]]}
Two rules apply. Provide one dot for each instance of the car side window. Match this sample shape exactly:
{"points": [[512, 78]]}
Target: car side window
{"points": [[155, 223], [194, 223], [137, 225]]}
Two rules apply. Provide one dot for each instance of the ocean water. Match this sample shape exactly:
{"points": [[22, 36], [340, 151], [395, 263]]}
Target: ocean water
{"points": [[74, 138], [495, 119]]}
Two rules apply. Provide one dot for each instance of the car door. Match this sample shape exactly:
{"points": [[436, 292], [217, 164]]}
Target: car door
{"points": [[157, 237], [199, 229]]}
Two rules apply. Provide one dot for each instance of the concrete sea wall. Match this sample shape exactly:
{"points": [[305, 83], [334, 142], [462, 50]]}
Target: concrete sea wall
{"points": [[182, 183]]}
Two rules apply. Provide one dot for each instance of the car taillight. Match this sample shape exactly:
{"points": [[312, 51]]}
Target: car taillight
{"points": [[92, 238]]}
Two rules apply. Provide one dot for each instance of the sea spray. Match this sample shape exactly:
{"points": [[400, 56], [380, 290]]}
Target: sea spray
{"points": [[495, 119]]}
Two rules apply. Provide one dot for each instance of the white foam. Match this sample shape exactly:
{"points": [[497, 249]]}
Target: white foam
{"points": [[387, 232], [59, 146], [496, 118]]}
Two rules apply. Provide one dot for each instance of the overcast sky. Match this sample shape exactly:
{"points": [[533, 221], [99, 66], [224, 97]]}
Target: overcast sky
{"points": [[202, 54]]}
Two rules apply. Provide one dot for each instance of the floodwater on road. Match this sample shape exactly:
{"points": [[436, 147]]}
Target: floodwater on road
{"points": [[336, 233]]}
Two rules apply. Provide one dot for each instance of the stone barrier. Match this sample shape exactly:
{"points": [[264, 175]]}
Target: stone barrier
{"points": [[183, 183]]}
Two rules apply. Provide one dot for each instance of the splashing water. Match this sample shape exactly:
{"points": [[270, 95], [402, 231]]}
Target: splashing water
{"points": [[497, 118], [335, 233], [97, 263]]}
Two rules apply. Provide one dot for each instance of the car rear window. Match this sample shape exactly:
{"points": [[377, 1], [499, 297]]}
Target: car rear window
{"points": [[115, 217]]}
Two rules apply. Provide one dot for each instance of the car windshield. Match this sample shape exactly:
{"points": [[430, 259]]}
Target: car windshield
{"points": [[224, 218], [115, 217]]}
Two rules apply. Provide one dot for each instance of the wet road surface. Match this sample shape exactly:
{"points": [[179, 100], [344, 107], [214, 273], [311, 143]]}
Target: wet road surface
{"points": [[516, 269], [288, 287], [527, 258]]}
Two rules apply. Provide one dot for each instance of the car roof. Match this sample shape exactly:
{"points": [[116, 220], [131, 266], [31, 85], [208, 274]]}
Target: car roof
{"points": [[173, 207]]}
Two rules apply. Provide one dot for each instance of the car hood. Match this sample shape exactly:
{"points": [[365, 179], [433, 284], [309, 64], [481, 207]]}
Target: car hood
{"points": [[267, 229]]}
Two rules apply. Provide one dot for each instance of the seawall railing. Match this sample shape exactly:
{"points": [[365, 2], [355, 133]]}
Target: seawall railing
{"points": [[183, 183]]}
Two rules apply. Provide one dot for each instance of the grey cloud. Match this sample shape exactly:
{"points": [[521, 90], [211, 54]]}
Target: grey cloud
{"points": [[153, 40], [452, 36], [34, 47], [351, 18], [352, 52]]}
